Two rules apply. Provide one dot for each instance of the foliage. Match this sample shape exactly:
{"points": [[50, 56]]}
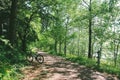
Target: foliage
{"points": [[78, 27], [9, 60], [9, 72]]}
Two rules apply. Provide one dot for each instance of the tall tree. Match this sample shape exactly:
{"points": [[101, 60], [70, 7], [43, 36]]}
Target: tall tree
{"points": [[90, 30], [66, 30], [12, 22]]}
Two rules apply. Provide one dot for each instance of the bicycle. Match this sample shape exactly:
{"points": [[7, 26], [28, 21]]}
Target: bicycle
{"points": [[36, 57]]}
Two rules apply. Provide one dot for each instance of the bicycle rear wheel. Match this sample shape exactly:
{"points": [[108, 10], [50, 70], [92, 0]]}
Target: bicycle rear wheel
{"points": [[40, 58]]}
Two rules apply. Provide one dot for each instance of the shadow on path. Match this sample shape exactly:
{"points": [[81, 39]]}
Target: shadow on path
{"points": [[57, 68]]}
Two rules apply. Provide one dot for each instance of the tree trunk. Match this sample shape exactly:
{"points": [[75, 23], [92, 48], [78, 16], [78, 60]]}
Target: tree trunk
{"points": [[114, 52], [23, 37], [116, 47], [65, 43], [79, 42], [92, 52], [24, 46], [0, 29], [1, 43], [99, 56], [117, 53], [12, 29], [55, 46], [60, 43], [90, 32]]}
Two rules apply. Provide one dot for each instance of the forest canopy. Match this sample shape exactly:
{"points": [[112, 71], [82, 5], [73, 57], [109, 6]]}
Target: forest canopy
{"points": [[88, 28]]}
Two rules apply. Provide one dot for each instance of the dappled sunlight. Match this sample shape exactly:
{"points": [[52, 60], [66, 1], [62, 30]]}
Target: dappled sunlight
{"points": [[81, 39], [57, 68]]}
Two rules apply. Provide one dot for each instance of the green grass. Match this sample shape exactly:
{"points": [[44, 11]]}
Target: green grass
{"points": [[109, 69], [81, 60]]}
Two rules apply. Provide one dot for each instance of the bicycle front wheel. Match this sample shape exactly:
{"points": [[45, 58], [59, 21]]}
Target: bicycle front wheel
{"points": [[40, 58]]}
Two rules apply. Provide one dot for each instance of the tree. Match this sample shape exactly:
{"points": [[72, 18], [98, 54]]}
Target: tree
{"points": [[12, 23], [66, 31], [90, 16], [90, 30]]}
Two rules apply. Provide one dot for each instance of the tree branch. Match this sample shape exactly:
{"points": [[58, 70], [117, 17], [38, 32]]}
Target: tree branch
{"points": [[86, 3]]}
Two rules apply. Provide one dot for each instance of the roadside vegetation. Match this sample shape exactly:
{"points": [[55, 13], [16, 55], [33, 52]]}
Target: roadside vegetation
{"points": [[84, 31]]}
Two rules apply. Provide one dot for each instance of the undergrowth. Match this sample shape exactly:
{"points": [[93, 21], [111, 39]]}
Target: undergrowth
{"points": [[9, 72], [10, 62]]}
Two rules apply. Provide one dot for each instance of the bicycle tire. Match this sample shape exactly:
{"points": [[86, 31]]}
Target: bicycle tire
{"points": [[40, 58]]}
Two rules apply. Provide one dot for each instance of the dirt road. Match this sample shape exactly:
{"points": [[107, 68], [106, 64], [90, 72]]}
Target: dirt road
{"points": [[57, 68]]}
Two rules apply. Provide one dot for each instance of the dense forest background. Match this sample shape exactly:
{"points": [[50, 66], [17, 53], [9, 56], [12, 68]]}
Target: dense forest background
{"points": [[84, 28]]}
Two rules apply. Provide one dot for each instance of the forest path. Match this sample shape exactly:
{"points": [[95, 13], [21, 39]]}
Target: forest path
{"points": [[57, 68]]}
